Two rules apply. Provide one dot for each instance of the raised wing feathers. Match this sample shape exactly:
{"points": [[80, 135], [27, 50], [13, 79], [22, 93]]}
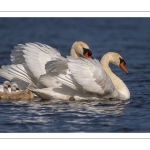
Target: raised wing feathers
{"points": [[19, 71], [4, 73], [35, 55], [17, 54], [56, 67], [89, 74]]}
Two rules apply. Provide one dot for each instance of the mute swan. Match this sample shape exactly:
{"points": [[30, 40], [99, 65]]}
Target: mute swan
{"points": [[5, 94], [89, 80], [29, 60]]}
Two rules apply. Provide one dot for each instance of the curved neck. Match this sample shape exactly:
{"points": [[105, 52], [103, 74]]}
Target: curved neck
{"points": [[117, 82], [73, 53]]}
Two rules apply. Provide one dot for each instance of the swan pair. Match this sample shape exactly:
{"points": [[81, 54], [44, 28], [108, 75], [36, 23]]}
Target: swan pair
{"points": [[73, 77], [14, 95]]}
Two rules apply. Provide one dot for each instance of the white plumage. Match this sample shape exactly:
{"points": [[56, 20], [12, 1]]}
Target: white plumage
{"points": [[31, 62], [89, 79], [60, 78]]}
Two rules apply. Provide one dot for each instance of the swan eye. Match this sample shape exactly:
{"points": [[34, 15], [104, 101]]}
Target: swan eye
{"points": [[87, 53], [122, 61]]}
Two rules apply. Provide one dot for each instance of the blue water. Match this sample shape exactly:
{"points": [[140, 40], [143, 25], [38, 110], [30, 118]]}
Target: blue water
{"points": [[130, 37]]}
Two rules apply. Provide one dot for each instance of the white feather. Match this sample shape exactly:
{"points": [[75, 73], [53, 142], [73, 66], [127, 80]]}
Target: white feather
{"points": [[18, 71], [49, 81], [89, 74], [37, 55], [4, 73]]}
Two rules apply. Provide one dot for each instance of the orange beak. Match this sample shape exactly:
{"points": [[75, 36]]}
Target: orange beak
{"points": [[87, 55], [122, 66]]}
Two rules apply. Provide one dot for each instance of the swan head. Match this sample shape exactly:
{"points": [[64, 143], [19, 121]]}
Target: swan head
{"points": [[117, 59], [6, 84], [14, 87], [80, 48]]}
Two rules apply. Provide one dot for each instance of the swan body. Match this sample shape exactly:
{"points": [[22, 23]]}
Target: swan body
{"points": [[90, 79]]}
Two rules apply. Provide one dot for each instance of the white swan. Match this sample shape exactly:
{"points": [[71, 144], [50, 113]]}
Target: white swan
{"points": [[89, 80], [29, 60]]}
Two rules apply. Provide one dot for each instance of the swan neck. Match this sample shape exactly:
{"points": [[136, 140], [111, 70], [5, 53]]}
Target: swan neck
{"points": [[117, 82], [73, 53]]}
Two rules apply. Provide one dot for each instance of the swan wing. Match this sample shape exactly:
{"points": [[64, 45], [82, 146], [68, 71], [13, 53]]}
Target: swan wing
{"points": [[35, 55], [58, 74], [68, 80], [21, 72], [56, 67], [53, 69], [49, 81], [17, 54], [4, 73], [89, 74]]}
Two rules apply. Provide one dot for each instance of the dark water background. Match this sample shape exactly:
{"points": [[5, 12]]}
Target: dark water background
{"points": [[128, 36]]}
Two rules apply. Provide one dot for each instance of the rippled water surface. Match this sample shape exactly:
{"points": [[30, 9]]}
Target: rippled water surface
{"points": [[128, 36]]}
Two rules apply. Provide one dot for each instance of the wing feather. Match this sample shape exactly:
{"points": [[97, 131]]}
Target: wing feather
{"points": [[56, 67], [49, 81], [53, 69], [19, 71], [69, 81], [35, 55], [4, 73], [90, 75]]}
